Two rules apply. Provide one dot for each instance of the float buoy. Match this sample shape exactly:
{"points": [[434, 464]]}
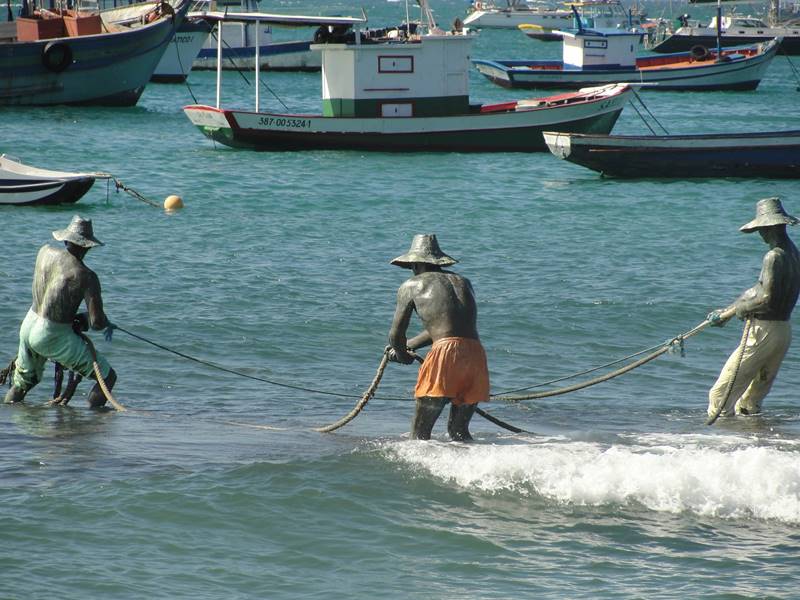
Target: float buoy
{"points": [[173, 202]]}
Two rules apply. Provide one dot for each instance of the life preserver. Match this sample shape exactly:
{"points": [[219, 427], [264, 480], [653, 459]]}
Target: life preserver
{"points": [[478, 6], [56, 56], [699, 52]]}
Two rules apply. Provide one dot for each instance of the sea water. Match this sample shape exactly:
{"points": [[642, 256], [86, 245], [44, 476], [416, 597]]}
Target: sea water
{"points": [[214, 485]]}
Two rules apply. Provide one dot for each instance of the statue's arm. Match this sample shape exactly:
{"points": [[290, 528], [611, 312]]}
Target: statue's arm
{"points": [[94, 303], [760, 295]]}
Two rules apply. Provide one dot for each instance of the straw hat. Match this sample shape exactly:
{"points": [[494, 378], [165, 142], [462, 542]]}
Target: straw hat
{"points": [[424, 249], [79, 232], [769, 212]]}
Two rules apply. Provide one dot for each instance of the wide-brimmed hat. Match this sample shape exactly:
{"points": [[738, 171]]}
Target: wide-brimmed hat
{"points": [[424, 249], [79, 232], [769, 212]]}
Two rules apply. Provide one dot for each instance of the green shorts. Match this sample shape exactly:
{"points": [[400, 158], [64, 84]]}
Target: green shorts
{"points": [[41, 339]]}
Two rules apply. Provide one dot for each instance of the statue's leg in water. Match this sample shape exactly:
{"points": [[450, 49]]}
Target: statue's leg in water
{"points": [[96, 397], [458, 423], [425, 415], [59, 380], [72, 384], [15, 394]]}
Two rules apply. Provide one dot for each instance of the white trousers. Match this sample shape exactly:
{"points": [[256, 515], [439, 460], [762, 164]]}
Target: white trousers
{"points": [[761, 355]]}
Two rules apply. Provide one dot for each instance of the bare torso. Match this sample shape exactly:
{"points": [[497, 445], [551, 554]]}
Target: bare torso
{"points": [[444, 302], [60, 283]]}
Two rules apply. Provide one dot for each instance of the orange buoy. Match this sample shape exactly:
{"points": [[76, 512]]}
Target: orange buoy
{"points": [[173, 202]]}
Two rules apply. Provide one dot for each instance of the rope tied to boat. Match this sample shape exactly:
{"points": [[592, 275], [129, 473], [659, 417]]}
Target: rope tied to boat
{"points": [[121, 186]]}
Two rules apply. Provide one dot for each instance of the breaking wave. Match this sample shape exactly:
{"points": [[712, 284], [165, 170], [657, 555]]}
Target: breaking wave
{"points": [[730, 477]]}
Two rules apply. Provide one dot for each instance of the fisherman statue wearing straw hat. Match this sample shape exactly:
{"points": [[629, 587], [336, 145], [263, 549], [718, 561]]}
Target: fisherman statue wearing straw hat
{"points": [[61, 281], [749, 372], [455, 369]]}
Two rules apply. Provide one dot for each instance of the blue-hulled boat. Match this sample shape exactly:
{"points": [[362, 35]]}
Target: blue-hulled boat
{"points": [[99, 59], [774, 154]]}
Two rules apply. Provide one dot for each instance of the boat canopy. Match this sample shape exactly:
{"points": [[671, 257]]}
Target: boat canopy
{"points": [[278, 19]]}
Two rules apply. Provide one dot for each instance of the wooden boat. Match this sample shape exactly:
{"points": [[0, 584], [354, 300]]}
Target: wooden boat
{"points": [[774, 154], [388, 90], [597, 57], [22, 184], [76, 58]]}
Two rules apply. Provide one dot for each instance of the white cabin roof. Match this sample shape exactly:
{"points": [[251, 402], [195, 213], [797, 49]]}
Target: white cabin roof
{"points": [[277, 19]]}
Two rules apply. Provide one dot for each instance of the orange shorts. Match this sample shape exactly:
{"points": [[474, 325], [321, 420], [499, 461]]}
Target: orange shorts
{"points": [[455, 368]]}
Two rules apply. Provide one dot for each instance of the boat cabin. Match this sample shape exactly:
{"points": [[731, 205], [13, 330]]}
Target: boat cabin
{"points": [[585, 49], [731, 23], [420, 76]]}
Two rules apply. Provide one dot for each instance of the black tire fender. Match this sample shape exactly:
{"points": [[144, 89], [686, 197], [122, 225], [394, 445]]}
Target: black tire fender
{"points": [[56, 56], [699, 52]]}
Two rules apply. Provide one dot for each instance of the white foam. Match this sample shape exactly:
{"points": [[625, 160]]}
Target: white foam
{"points": [[728, 477]]}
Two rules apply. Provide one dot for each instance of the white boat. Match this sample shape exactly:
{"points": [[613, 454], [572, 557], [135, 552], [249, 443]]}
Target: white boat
{"points": [[24, 185], [75, 58], [279, 49], [391, 91], [489, 15], [176, 63], [537, 19], [597, 57]]}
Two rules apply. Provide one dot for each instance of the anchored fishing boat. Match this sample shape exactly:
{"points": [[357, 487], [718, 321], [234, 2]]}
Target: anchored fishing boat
{"points": [[399, 90], [774, 154], [24, 185], [76, 58], [596, 57], [734, 30]]}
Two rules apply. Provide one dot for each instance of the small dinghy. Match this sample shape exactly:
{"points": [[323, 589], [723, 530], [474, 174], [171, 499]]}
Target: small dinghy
{"points": [[24, 185]]}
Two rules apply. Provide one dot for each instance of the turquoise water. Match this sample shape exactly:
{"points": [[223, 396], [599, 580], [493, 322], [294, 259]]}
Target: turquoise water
{"points": [[215, 486]]}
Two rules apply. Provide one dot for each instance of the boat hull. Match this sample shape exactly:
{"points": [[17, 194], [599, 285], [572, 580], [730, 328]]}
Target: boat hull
{"points": [[738, 74], [44, 193], [109, 69], [273, 56], [790, 44], [510, 131], [766, 154], [505, 19], [176, 63]]}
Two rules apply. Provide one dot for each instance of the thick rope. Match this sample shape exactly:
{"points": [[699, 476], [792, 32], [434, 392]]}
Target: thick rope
{"points": [[99, 375], [362, 402], [233, 371], [718, 410], [6, 373], [579, 386], [132, 192]]}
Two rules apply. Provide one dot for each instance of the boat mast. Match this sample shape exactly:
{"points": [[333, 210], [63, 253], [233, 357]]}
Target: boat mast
{"points": [[430, 22], [774, 14], [719, 30]]}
